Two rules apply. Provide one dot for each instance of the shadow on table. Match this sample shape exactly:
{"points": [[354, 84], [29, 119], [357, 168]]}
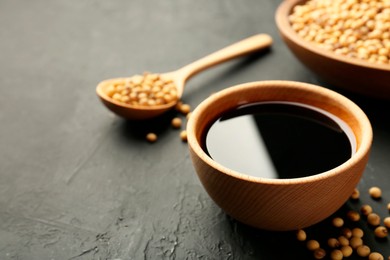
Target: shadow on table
{"points": [[136, 130], [256, 243]]}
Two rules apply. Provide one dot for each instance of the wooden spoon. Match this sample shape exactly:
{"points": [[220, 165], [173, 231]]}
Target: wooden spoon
{"points": [[180, 76]]}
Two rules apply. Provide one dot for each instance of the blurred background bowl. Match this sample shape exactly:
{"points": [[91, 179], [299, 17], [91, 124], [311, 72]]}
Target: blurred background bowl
{"points": [[347, 73]]}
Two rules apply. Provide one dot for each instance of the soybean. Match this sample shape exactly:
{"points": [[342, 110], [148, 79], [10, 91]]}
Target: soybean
{"points": [[319, 253], [357, 232], [336, 254], [301, 235], [312, 245], [343, 241], [151, 137], [355, 194], [363, 251], [176, 122], [366, 209], [183, 135], [375, 192], [386, 222], [373, 219], [333, 242], [346, 232], [185, 109], [375, 256], [346, 250], [338, 222], [353, 215], [381, 232], [355, 242], [143, 90]]}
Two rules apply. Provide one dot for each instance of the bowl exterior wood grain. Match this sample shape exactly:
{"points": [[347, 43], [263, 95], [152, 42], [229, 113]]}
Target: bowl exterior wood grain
{"points": [[354, 75], [279, 204]]}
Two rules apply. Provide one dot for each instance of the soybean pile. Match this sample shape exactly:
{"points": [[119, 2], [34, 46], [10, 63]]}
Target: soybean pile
{"points": [[357, 29]]}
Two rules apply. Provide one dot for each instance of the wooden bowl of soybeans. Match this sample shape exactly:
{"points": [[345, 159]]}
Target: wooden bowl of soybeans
{"points": [[263, 154], [345, 42]]}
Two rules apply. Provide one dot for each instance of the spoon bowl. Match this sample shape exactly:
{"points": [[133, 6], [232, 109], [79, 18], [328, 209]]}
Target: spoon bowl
{"points": [[179, 78]]}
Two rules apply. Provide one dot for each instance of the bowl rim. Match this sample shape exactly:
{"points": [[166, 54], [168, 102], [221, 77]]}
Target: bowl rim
{"points": [[204, 107], [281, 18]]}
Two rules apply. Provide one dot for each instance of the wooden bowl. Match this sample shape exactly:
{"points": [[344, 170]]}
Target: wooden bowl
{"points": [[352, 74], [279, 204]]}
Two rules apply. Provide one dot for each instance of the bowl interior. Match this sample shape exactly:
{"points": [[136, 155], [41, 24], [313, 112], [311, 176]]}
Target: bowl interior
{"points": [[212, 108]]}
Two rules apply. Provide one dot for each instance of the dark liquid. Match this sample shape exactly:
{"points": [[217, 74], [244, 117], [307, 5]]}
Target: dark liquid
{"points": [[279, 140]]}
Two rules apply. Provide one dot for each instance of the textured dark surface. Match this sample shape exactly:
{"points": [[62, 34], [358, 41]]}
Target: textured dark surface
{"points": [[77, 182]]}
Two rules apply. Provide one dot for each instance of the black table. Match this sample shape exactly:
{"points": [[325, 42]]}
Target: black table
{"points": [[77, 182]]}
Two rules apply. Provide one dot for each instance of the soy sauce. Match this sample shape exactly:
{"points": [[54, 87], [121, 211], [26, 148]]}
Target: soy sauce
{"points": [[279, 140]]}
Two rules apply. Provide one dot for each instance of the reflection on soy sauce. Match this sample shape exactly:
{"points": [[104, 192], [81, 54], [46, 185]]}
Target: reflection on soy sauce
{"points": [[279, 140]]}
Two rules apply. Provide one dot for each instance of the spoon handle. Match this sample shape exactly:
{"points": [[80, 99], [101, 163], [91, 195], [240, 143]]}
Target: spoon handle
{"points": [[241, 48]]}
